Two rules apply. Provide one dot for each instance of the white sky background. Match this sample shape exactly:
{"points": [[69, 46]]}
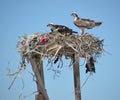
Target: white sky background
{"points": [[19, 17]]}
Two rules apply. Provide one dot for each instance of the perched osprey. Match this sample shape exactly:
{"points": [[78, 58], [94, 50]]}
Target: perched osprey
{"points": [[60, 28], [90, 67], [84, 23]]}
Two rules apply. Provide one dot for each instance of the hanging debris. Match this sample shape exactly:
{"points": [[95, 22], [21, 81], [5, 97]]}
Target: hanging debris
{"points": [[90, 66]]}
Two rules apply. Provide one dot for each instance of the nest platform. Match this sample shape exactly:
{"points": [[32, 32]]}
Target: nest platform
{"points": [[54, 45]]}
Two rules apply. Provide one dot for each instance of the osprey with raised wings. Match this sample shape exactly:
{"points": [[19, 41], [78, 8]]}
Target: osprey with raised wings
{"points": [[61, 28], [84, 23]]}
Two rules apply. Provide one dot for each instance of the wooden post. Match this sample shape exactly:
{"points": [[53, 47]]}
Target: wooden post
{"points": [[39, 96], [38, 70], [76, 77]]}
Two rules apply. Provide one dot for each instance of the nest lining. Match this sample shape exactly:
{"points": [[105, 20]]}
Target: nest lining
{"points": [[55, 44]]}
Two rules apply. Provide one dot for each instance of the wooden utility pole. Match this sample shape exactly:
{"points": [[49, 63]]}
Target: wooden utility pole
{"points": [[76, 77], [39, 74]]}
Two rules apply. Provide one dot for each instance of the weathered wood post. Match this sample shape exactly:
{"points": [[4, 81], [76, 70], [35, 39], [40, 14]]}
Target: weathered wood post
{"points": [[39, 96], [76, 77], [38, 70]]}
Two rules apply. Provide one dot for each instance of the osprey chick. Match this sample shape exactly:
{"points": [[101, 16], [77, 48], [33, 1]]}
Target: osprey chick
{"points": [[84, 23], [61, 28]]}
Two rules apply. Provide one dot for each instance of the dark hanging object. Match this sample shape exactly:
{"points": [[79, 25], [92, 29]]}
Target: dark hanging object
{"points": [[90, 66], [55, 61]]}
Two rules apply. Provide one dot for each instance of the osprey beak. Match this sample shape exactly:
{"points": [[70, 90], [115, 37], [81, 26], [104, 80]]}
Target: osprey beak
{"points": [[48, 25], [72, 14]]}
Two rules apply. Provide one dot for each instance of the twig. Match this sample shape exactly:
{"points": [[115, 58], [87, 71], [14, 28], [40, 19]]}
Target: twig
{"points": [[85, 81], [57, 50], [16, 75], [72, 47]]}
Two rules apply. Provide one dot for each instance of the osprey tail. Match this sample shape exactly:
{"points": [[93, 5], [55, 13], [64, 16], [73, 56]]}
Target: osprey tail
{"points": [[98, 23], [74, 32]]}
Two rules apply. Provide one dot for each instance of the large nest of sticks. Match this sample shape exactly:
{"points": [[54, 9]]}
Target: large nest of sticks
{"points": [[55, 45]]}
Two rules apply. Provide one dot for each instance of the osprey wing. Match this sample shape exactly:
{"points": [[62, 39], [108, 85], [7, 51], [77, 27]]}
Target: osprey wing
{"points": [[80, 23]]}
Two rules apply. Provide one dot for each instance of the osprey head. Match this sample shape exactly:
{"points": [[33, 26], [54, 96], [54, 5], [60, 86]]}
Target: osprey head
{"points": [[74, 14], [50, 24]]}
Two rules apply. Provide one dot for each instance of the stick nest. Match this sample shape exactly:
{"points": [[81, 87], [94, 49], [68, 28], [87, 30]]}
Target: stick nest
{"points": [[55, 45]]}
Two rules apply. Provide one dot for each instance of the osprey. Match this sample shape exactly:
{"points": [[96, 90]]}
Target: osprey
{"points": [[60, 28], [84, 23], [90, 67]]}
